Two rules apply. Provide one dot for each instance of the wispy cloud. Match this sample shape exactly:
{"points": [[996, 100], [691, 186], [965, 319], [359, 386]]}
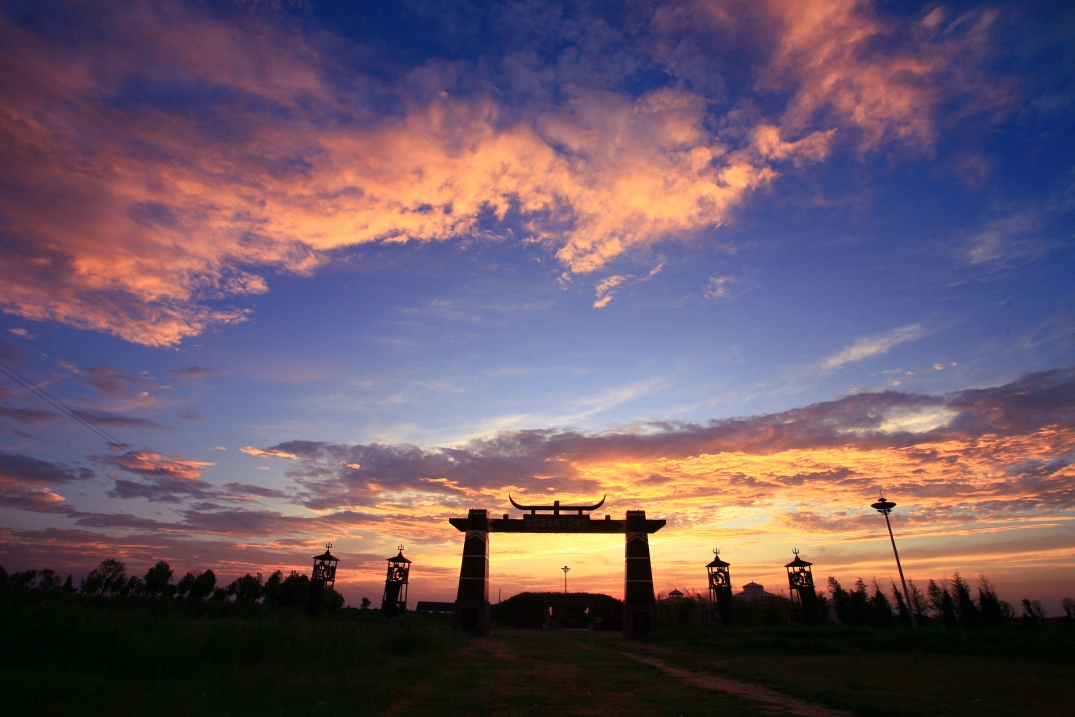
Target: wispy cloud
{"points": [[607, 287], [867, 346], [195, 372], [116, 420], [727, 287]]}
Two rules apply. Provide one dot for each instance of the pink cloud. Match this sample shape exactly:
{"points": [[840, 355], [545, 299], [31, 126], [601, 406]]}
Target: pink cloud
{"points": [[130, 217], [998, 473], [155, 465]]}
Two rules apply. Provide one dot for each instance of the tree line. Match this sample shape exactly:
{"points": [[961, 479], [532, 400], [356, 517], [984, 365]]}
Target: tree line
{"points": [[950, 603], [110, 579]]}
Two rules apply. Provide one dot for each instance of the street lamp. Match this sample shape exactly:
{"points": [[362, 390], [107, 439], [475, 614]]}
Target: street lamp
{"points": [[566, 570], [884, 507]]}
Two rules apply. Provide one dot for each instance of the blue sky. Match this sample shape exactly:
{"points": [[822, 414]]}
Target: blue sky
{"points": [[429, 227]]}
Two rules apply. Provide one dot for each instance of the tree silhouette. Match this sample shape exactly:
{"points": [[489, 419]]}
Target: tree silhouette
{"points": [[944, 609], [108, 578], [992, 609], [901, 605], [295, 589], [918, 602], [247, 589], [271, 590], [158, 579], [858, 607], [881, 608], [965, 607], [197, 586], [860, 604], [841, 602], [331, 600], [20, 581], [1033, 612], [289, 592]]}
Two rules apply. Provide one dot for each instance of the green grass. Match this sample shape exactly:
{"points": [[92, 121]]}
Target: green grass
{"points": [[532, 673], [112, 657], [1053, 642], [883, 673], [74, 655]]}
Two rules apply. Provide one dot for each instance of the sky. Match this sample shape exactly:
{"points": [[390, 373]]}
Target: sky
{"points": [[336, 272]]}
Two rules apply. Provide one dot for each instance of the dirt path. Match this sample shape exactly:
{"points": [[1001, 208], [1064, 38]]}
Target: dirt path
{"points": [[771, 702], [527, 673]]}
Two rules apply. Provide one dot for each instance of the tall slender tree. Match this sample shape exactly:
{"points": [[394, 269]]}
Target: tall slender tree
{"points": [[965, 607]]}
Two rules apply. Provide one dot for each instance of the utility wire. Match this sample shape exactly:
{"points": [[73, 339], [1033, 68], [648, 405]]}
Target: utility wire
{"points": [[12, 373]]}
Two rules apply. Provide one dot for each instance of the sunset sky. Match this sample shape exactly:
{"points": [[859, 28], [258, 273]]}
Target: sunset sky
{"points": [[335, 272]]}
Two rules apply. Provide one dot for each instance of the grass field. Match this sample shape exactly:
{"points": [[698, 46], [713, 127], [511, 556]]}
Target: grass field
{"points": [[1000, 671], [111, 657], [87, 657]]}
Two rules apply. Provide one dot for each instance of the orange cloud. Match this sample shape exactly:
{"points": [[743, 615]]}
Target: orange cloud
{"points": [[152, 464], [127, 216], [850, 67], [830, 49], [990, 488]]}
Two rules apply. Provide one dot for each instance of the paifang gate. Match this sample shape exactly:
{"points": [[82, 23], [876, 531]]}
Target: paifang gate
{"points": [[472, 599]]}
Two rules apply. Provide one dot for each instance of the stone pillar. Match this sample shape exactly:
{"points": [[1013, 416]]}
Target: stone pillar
{"points": [[639, 606], [472, 599]]}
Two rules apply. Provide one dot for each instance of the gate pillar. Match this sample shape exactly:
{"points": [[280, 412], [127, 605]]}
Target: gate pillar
{"points": [[472, 599], [639, 606]]}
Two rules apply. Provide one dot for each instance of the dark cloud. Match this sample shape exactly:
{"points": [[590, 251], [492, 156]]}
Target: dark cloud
{"points": [[157, 492], [191, 416], [27, 416], [536, 460], [830, 477], [1031, 402], [116, 420], [11, 354], [34, 500], [115, 382], [166, 479], [194, 372], [245, 489], [25, 481], [17, 469]]}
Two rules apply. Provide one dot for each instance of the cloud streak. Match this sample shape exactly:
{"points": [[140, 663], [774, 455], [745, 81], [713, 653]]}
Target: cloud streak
{"points": [[866, 346], [984, 446]]}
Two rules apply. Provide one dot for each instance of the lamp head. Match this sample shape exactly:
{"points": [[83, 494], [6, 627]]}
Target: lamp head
{"points": [[883, 506]]}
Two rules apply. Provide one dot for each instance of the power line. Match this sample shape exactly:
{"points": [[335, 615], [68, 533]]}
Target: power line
{"points": [[72, 413]]}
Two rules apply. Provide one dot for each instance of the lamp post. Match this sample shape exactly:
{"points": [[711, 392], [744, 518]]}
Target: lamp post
{"points": [[566, 570], [884, 507]]}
